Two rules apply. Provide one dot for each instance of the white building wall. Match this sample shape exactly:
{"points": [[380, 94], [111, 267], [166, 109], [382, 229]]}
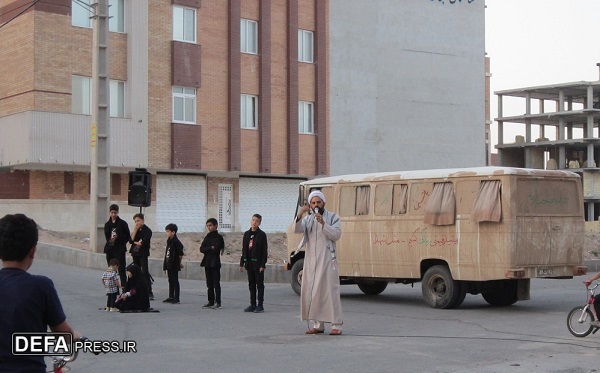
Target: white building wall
{"points": [[407, 85]]}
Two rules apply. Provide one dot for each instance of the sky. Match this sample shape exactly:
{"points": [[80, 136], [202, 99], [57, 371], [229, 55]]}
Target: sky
{"points": [[539, 42]]}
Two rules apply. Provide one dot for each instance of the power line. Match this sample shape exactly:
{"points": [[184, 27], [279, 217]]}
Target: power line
{"points": [[13, 10], [23, 11], [84, 5]]}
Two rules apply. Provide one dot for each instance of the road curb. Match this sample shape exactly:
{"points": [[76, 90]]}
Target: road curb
{"points": [[191, 270]]}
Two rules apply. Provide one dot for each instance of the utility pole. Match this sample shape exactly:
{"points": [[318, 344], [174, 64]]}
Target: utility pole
{"points": [[100, 150]]}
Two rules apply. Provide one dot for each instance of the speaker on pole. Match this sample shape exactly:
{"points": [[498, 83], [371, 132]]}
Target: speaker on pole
{"points": [[140, 188]]}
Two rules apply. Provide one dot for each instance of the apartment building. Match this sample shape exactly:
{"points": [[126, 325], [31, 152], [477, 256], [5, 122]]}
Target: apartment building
{"points": [[560, 123], [224, 102]]}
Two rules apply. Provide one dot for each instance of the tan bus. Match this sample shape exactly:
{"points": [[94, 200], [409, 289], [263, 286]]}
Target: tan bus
{"points": [[485, 230]]}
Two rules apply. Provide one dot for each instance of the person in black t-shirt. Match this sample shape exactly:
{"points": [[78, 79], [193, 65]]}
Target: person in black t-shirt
{"points": [[254, 259], [29, 302], [212, 247]]}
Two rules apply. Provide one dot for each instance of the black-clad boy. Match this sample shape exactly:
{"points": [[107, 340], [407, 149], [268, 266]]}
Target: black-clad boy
{"points": [[212, 247], [254, 259], [172, 262]]}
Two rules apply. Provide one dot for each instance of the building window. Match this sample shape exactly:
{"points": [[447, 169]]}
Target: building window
{"points": [[184, 24], [117, 99], [115, 185], [184, 105], [82, 12], [249, 36], [81, 96], [305, 46], [306, 117], [249, 111], [69, 183], [116, 22]]}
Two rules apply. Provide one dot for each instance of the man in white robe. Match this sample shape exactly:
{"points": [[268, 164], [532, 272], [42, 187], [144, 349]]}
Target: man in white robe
{"points": [[320, 294]]}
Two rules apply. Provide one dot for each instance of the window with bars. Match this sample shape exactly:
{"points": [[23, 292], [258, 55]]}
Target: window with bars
{"points": [[225, 207]]}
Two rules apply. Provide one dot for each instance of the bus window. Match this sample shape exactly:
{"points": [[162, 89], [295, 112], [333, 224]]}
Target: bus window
{"points": [[390, 199], [347, 201], [441, 205], [354, 200], [488, 204], [400, 199], [328, 193], [383, 199], [363, 194], [548, 197]]}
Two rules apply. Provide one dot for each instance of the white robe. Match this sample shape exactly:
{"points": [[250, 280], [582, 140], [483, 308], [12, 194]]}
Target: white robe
{"points": [[320, 294]]}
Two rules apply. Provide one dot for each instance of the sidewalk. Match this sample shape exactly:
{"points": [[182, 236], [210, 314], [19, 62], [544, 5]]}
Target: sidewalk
{"points": [[191, 270]]}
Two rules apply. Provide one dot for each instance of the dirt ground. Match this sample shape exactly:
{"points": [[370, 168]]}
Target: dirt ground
{"points": [[191, 242], [233, 244]]}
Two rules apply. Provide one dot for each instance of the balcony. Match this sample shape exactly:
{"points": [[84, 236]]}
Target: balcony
{"points": [[47, 141]]}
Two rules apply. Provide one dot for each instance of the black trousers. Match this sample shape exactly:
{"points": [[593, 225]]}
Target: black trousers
{"points": [[213, 284], [111, 299], [173, 276], [256, 284], [120, 256], [142, 261]]}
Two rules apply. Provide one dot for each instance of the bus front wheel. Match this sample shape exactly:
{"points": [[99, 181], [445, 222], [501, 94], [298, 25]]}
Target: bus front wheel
{"points": [[297, 276], [440, 290]]}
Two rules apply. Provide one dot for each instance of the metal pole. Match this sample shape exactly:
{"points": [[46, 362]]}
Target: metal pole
{"points": [[100, 165]]}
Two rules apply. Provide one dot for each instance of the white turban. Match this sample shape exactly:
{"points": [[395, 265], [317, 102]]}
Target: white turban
{"points": [[316, 193]]}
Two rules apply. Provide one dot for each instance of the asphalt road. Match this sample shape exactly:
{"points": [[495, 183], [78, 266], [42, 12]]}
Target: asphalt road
{"points": [[391, 332]]}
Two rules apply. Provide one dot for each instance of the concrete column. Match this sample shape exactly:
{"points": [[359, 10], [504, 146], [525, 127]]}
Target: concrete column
{"points": [[500, 123], [528, 121], [100, 150]]}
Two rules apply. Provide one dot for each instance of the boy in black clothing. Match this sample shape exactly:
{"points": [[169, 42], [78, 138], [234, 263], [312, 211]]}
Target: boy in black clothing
{"points": [[212, 245], [140, 248], [254, 259], [117, 234], [172, 262]]}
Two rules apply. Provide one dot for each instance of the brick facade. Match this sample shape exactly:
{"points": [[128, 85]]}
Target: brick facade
{"points": [[42, 51]]}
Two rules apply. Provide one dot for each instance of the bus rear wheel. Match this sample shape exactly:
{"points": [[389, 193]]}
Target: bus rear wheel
{"points": [[371, 287], [296, 280], [504, 295], [440, 290]]}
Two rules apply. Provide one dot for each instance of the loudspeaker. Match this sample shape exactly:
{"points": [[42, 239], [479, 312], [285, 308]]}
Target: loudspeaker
{"points": [[140, 188]]}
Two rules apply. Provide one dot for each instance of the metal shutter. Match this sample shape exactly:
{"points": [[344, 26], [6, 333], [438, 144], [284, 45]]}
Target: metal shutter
{"points": [[274, 199], [181, 199]]}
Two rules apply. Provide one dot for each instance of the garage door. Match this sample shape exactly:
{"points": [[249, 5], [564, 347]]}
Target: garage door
{"points": [[181, 199], [274, 199]]}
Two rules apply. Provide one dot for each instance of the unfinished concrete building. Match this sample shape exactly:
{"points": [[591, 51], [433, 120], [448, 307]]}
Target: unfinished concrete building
{"points": [[567, 120]]}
